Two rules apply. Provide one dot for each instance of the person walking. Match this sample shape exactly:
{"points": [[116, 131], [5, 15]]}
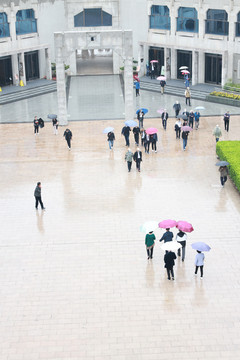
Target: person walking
{"points": [[217, 132], [137, 86], [68, 137], [128, 159], [181, 238], [110, 139], [55, 126], [167, 236], [36, 126], [185, 139], [188, 96], [199, 262], [140, 117], [226, 119], [152, 71], [162, 84], [136, 132], [197, 117], [137, 157], [147, 143], [125, 132], [153, 140], [169, 258], [177, 127], [143, 136], [164, 119], [186, 82], [149, 242], [223, 174], [37, 195], [191, 118], [177, 108]]}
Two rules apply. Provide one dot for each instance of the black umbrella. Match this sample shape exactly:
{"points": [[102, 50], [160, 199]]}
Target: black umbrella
{"points": [[222, 163], [52, 116], [184, 117]]}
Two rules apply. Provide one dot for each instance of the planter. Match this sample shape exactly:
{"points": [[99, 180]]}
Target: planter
{"points": [[222, 100]]}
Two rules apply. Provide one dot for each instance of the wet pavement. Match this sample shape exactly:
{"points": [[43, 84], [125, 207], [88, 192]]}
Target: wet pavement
{"points": [[75, 279]]}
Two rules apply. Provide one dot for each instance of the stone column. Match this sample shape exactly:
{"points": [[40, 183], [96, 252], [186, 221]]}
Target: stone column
{"points": [[173, 63], [201, 67], [73, 63], [167, 63], [12, 24], [61, 85], [15, 70], [48, 64], [42, 63], [128, 74], [22, 70], [194, 67], [224, 67]]}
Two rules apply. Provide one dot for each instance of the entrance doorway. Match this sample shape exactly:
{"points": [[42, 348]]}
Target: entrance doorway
{"points": [[5, 71], [31, 65], [184, 58], [156, 53], [213, 68], [95, 62]]}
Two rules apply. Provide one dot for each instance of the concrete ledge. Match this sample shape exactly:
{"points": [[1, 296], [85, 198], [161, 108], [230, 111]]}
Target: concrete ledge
{"points": [[223, 100]]}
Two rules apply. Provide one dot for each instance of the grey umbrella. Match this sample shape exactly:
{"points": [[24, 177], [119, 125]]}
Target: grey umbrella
{"points": [[184, 117], [52, 116], [222, 163]]}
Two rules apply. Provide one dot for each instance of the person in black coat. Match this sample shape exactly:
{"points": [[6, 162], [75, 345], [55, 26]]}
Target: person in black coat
{"points": [[136, 132], [140, 117], [110, 139], [36, 126], [153, 140], [37, 195], [137, 157], [169, 258], [164, 119], [177, 108], [68, 136], [125, 131]]}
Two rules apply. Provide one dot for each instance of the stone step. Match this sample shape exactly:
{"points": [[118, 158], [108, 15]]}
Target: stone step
{"points": [[26, 93]]}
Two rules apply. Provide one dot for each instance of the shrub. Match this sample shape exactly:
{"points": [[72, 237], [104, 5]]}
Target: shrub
{"points": [[230, 151], [226, 95]]}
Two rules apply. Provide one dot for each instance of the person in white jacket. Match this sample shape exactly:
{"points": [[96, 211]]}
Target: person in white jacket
{"points": [[181, 237], [199, 262]]}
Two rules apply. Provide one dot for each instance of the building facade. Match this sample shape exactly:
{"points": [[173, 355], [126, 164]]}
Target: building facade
{"points": [[201, 34]]}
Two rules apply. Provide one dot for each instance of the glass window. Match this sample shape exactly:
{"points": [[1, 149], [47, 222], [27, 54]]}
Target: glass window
{"points": [[4, 26], [238, 25], [92, 17], [159, 18], [217, 22], [187, 19], [25, 22]]}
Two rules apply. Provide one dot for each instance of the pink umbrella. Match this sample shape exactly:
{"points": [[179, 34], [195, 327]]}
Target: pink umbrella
{"points": [[186, 128], [154, 61], [167, 224], [161, 78], [160, 111], [136, 77], [151, 131], [184, 226], [185, 72]]}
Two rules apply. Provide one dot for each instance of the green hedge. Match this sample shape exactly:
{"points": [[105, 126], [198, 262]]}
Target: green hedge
{"points": [[230, 151]]}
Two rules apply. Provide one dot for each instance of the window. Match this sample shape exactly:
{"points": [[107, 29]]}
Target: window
{"points": [[4, 26], [187, 19], [217, 22], [159, 18], [25, 22], [238, 25], [92, 17]]}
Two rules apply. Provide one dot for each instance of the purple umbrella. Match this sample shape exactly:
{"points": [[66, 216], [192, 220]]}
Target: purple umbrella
{"points": [[201, 246], [187, 128]]}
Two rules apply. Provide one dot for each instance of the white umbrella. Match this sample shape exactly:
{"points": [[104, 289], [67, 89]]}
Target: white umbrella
{"points": [[171, 246], [149, 226], [183, 68], [200, 108]]}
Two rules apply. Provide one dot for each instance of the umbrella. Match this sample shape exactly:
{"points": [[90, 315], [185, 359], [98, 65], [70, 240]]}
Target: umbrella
{"points": [[185, 72], [149, 226], [183, 68], [186, 128], [52, 116], [161, 78], [108, 129], [136, 77], [222, 163], [184, 117], [171, 246], [200, 108], [167, 224], [200, 246], [160, 111], [131, 123], [143, 109], [184, 226], [154, 61], [151, 131]]}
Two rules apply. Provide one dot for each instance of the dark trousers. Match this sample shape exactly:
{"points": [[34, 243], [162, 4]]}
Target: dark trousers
{"points": [[136, 137], [217, 139], [137, 92], [38, 200], [183, 249], [154, 145], [177, 112], [164, 124], [223, 179], [69, 142], [191, 123], [170, 272], [150, 253], [188, 101], [36, 129], [127, 139], [178, 133], [140, 123], [146, 145], [201, 270], [138, 163], [226, 124], [129, 164], [142, 141]]}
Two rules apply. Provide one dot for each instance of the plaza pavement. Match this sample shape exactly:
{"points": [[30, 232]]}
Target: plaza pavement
{"points": [[75, 280]]}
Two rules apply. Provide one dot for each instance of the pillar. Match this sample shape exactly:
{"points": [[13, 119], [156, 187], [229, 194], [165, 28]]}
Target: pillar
{"points": [[173, 63], [201, 67], [167, 63], [194, 67], [42, 63], [73, 62], [15, 70], [128, 74], [22, 70], [224, 67], [48, 64]]}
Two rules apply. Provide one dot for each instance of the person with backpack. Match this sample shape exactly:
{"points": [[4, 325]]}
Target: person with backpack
{"points": [[68, 136], [36, 125], [125, 132], [110, 139]]}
